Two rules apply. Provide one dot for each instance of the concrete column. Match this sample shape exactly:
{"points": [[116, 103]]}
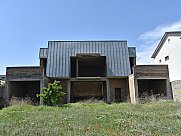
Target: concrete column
{"points": [[132, 89], [136, 90], [77, 67], [68, 91], [108, 91], [41, 87], [6, 93], [168, 90]]}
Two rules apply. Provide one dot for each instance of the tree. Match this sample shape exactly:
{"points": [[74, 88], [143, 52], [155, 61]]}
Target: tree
{"points": [[52, 95]]}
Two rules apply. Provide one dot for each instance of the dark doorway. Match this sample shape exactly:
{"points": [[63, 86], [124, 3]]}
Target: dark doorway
{"points": [[118, 95], [152, 86], [23, 89]]}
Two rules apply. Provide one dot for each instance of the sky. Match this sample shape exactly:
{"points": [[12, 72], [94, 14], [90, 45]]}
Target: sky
{"points": [[27, 25]]}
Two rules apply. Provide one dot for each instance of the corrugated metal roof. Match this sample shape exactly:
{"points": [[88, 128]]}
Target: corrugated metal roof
{"points": [[59, 52], [43, 53], [132, 51]]}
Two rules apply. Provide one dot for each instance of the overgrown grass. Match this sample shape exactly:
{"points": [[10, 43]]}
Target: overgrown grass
{"points": [[97, 119]]}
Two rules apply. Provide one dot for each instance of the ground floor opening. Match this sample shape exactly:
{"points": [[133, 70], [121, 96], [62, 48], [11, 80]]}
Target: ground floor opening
{"points": [[109, 90], [25, 89], [150, 87], [82, 90]]}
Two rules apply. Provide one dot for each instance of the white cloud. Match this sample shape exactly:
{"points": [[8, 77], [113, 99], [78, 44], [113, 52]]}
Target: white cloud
{"points": [[150, 39]]}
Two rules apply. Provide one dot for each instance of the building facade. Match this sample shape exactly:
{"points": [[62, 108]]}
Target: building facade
{"points": [[98, 69], [104, 70]]}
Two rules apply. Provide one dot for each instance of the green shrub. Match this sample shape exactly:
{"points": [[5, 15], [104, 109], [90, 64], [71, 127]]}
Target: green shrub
{"points": [[52, 95]]}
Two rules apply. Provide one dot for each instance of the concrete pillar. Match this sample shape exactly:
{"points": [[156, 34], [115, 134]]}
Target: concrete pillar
{"points": [[136, 90], [108, 91], [77, 67], [41, 87], [68, 91], [132, 89], [41, 62], [6, 94], [168, 90]]}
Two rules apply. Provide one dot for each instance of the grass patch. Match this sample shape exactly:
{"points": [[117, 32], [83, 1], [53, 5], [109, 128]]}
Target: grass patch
{"points": [[160, 118]]}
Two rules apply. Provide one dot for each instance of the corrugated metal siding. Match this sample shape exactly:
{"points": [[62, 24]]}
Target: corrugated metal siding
{"points": [[43, 53], [59, 52]]}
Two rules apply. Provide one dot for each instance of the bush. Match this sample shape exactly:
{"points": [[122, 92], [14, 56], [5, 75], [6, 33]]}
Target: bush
{"points": [[52, 95]]}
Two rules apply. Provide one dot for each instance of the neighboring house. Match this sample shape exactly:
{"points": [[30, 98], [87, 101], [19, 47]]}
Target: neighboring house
{"points": [[103, 70], [168, 52]]}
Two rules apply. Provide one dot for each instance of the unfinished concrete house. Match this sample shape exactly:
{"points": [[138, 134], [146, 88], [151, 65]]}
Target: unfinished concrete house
{"points": [[90, 69], [104, 70]]}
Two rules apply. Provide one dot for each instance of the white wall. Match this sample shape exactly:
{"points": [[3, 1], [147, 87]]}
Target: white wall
{"points": [[172, 49]]}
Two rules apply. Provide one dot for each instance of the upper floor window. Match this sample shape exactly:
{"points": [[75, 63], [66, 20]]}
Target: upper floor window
{"points": [[166, 58], [160, 61], [88, 65]]}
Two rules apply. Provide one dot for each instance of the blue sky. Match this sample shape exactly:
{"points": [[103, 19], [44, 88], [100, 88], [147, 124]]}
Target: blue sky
{"points": [[27, 25]]}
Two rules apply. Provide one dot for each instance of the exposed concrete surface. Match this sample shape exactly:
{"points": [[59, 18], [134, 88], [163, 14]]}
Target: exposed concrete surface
{"points": [[176, 89]]}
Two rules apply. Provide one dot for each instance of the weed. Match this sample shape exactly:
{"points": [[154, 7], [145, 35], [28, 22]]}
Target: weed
{"points": [[158, 118]]}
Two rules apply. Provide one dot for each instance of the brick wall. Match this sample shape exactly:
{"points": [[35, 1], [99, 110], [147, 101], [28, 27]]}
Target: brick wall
{"points": [[151, 71], [119, 83], [24, 73], [88, 89]]}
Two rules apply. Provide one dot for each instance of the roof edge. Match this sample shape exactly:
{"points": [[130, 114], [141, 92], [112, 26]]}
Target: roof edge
{"points": [[87, 41], [162, 41]]}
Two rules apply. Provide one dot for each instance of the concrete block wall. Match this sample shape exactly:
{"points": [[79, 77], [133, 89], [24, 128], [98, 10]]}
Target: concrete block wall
{"points": [[24, 73], [88, 89], [176, 89], [119, 83], [156, 71]]}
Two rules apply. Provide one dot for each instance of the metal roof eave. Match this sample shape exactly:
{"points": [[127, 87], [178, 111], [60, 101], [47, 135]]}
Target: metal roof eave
{"points": [[162, 42], [159, 45]]}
